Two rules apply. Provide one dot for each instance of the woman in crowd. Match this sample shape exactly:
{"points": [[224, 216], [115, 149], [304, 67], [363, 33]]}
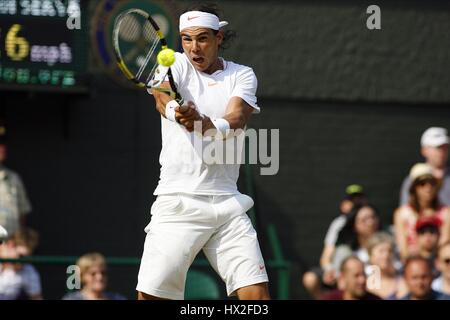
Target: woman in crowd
{"points": [[362, 223], [423, 202], [93, 274], [384, 274]]}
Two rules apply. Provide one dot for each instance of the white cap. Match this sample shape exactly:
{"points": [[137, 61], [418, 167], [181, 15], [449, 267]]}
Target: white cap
{"points": [[434, 137], [200, 19], [420, 170]]}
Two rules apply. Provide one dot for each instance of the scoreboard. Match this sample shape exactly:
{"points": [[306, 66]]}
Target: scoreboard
{"points": [[43, 45]]}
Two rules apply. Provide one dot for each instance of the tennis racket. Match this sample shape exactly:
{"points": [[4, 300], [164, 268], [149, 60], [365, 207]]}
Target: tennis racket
{"points": [[137, 40]]}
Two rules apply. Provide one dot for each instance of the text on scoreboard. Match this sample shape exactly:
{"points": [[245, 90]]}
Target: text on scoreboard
{"points": [[38, 48]]}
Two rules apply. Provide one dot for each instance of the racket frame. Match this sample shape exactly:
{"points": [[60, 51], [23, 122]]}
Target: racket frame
{"points": [[162, 41]]}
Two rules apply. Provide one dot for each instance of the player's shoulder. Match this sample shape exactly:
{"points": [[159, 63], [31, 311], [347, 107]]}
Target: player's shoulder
{"points": [[242, 72], [239, 68], [181, 58]]}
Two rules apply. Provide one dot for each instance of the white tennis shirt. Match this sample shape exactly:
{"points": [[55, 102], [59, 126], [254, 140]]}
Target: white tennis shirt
{"points": [[183, 165]]}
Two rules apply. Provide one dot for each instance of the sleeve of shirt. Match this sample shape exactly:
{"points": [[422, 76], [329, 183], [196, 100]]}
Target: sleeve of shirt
{"points": [[245, 88], [32, 281], [333, 231], [22, 198]]}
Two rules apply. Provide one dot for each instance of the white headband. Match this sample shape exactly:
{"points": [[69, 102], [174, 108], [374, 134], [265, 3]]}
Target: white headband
{"points": [[200, 19]]}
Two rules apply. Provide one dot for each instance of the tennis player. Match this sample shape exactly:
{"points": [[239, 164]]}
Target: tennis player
{"points": [[198, 205]]}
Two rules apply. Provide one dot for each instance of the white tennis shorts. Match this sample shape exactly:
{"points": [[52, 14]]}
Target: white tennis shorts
{"points": [[182, 225]]}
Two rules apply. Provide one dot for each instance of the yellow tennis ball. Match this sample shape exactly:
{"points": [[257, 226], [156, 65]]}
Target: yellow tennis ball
{"points": [[166, 57]]}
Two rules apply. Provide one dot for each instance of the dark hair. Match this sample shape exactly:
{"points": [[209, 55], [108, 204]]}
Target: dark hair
{"points": [[358, 199], [413, 199], [213, 8], [348, 235]]}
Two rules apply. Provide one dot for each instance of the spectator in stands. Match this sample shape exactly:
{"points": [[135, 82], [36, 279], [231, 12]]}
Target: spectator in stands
{"points": [[19, 281], [14, 203], [434, 148], [418, 277], [442, 283], [351, 282], [428, 234], [324, 277], [94, 280], [362, 222], [390, 285], [423, 202]]}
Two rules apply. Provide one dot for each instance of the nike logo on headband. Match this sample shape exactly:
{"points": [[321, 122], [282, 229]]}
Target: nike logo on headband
{"points": [[191, 18]]}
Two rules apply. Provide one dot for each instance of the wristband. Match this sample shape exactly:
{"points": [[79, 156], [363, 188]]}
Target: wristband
{"points": [[221, 125], [170, 110]]}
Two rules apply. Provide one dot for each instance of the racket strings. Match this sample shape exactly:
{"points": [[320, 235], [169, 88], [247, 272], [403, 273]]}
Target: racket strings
{"points": [[130, 28], [149, 56], [150, 80], [139, 42]]}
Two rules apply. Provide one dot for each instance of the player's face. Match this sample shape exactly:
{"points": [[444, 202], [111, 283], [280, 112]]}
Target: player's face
{"points": [[201, 46]]}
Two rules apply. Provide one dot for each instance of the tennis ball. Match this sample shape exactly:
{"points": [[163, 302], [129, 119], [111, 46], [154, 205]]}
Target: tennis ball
{"points": [[166, 57]]}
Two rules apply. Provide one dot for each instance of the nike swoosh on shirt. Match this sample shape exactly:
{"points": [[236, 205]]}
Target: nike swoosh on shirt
{"points": [[211, 84]]}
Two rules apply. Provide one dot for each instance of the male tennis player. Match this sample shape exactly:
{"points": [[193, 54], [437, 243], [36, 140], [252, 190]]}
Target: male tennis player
{"points": [[198, 204]]}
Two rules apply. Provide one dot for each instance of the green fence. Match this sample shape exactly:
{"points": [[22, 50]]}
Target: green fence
{"points": [[199, 285]]}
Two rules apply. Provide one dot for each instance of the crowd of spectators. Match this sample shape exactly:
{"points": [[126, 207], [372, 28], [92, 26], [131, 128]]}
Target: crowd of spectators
{"points": [[363, 258], [407, 258]]}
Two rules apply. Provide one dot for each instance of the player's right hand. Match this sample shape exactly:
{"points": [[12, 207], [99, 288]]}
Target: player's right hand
{"points": [[187, 114]]}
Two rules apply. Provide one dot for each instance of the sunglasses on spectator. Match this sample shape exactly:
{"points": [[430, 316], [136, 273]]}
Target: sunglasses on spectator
{"points": [[424, 182]]}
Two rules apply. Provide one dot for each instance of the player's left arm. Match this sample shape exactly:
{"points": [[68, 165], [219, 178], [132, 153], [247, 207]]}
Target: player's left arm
{"points": [[239, 109], [238, 114]]}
